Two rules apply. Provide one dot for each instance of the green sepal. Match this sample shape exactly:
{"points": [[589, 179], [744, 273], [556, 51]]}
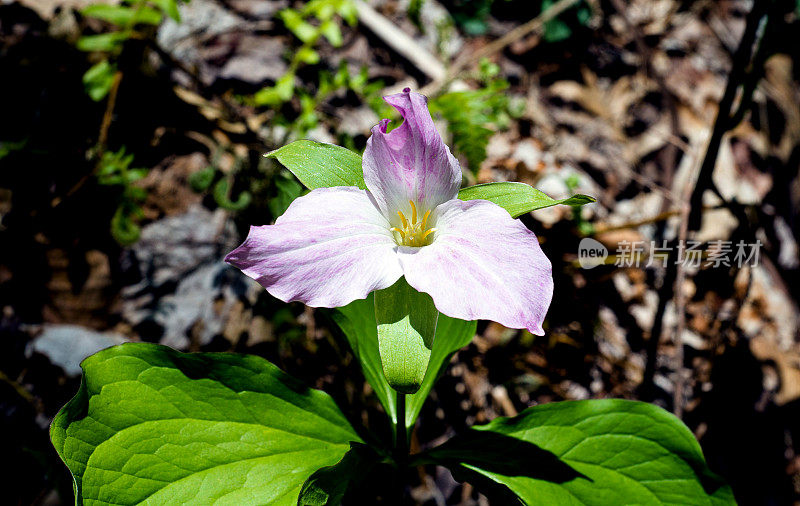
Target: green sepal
{"points": [[518, 198], [320, 165], [406, 322]]}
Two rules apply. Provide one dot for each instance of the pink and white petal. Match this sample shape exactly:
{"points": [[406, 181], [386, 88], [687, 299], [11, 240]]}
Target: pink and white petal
{"points": [[411, 162], [331, 247], [482, 264]]}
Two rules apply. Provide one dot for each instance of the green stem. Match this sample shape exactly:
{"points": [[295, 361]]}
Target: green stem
{"points": [[401, 434]]}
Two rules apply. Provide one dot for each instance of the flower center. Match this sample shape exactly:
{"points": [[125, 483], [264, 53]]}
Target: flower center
{"points": [[414, 233]]}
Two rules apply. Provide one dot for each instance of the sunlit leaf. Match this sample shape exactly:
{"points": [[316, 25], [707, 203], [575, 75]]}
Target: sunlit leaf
{"points": [[595, 452], [319, 165], [518, 198], [152, 425]]}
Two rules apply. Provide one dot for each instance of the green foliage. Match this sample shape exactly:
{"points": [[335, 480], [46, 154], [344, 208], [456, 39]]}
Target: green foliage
{"points": [[113, 167], [560, 29], [315, 21], [201, 180], [473, 116], [124, 18], [102, 42], [287, 189], [150, 424], [329, 83], [124, 15], [323, 13], [594, 452], [584, 226], [8, 147], [98, 79], [518, 198], [472, 15], [414, 12], [222, 196], [114, 170]]}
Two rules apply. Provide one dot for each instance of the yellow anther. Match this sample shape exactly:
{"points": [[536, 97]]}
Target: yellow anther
{"points": [[412, 232], [403, 219]]}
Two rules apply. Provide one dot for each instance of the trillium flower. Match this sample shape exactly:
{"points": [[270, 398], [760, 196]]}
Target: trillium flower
{"points": [[338, 244]]}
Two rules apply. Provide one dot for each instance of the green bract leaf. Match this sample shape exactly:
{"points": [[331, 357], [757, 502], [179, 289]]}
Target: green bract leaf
{"points": [[518, 198], [406, 326], [319, 165], [599, 452], [357, 321], [152, 425], [123, 16]]}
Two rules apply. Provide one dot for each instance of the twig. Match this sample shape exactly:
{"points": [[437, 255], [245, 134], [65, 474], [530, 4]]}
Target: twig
{"points": [[398, 40], [602, 228], [108, 116], [741, 60], [534, 25]]}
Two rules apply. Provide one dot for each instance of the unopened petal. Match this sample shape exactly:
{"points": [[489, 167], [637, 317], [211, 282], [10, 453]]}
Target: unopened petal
{"points": [[411, 162], [484, 265], [328, 249]]}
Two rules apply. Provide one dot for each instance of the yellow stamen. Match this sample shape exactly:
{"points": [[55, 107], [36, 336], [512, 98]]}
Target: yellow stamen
{"points": [[412, 232], [403, 219]]}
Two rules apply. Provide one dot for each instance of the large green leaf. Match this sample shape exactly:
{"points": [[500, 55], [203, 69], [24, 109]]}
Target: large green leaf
{"points": [[599, 452], [154, 426], [518, 198], [319, 165], [357, 321]]}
